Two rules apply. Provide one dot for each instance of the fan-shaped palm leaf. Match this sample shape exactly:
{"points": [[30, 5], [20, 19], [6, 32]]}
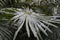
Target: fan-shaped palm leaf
{"points": [[5, 34], [36, 21]]}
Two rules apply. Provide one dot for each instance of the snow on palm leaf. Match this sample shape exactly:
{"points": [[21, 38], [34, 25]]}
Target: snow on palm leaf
{"points": [[36, 22]]}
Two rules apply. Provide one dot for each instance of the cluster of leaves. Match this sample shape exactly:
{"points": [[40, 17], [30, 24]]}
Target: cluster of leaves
{"points": [[8, 8]]}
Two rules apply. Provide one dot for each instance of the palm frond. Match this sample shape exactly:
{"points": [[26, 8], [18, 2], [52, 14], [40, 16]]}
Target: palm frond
{"points": [[5, 34], [34, 20]]}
